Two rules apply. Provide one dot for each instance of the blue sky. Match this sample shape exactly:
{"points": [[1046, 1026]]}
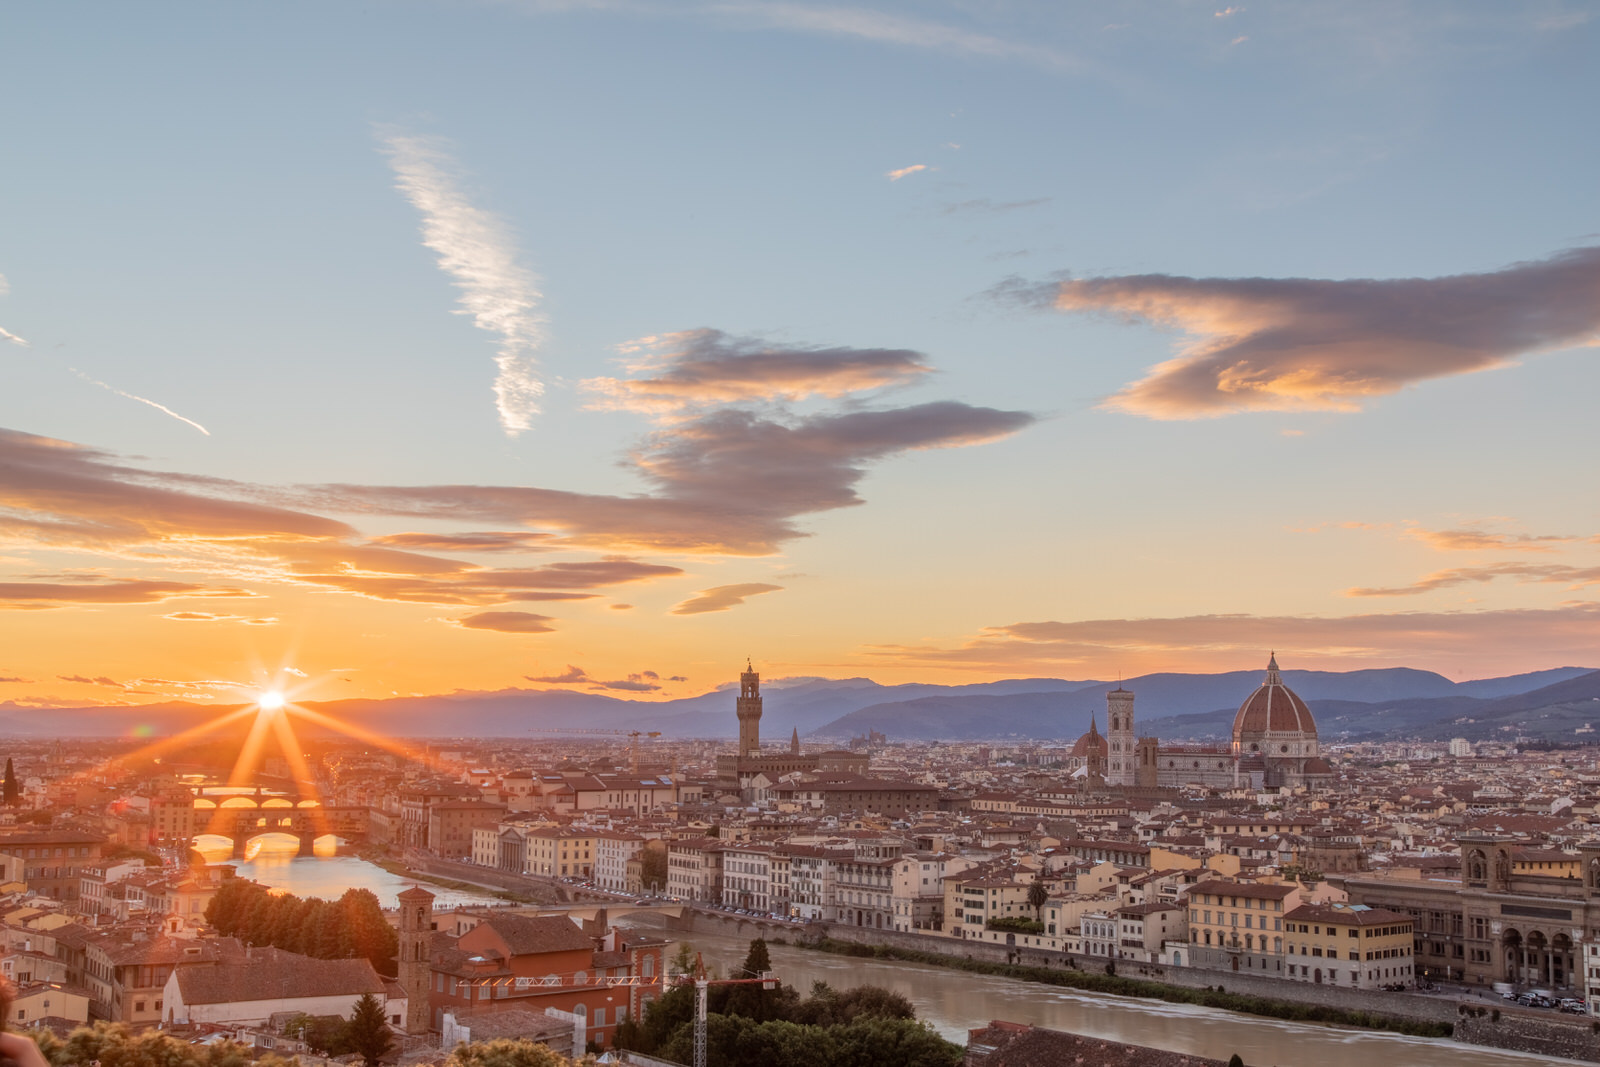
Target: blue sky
{"points": [[202, 206]]}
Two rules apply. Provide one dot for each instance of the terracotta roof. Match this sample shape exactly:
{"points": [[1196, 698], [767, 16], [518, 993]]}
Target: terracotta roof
{"points": [[1244, 889], [1273, 708], [271, 973], [526, 934]]}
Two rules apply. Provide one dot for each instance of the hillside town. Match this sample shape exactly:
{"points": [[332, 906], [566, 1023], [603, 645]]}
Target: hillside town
{"points": [[1437, 871]]}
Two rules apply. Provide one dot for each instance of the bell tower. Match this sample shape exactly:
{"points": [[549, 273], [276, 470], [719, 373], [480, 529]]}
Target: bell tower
{"points": [[749, 711], [415, 949], [1121, 768]]}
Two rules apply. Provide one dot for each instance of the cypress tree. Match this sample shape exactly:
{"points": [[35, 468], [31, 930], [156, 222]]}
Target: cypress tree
{"points": [[10, 793], [368, 1033]]}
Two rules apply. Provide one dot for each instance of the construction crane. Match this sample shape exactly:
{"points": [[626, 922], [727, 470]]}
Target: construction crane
{"points": [[632, 735], [701, 982]]}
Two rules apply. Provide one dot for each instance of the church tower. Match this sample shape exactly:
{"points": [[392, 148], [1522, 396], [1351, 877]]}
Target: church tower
{"points": [[1095, 757], [415, 949], [1121, 768], [749, 711]]}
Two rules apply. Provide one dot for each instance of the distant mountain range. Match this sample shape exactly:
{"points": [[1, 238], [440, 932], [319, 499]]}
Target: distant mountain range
{"points": [[1389, 703]]}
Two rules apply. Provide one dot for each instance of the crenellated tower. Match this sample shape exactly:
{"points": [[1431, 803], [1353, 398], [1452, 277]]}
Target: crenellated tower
{"points": [[748, 709]]}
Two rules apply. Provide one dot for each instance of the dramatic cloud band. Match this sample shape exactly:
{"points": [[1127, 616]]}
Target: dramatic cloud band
{"points": [[138, 591], [498, 292], [1292, 344], [1098, 647]]}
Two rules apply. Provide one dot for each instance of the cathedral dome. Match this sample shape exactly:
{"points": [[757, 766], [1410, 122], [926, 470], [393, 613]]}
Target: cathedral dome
{"points": [[1091, 740], [1274, 708]]}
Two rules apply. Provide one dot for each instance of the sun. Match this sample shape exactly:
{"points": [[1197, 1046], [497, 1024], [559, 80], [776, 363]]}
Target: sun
{"points": [[272, 700]]}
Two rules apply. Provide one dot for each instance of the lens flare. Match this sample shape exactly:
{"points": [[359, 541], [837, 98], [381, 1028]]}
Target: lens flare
{"points": [[272, 700]]}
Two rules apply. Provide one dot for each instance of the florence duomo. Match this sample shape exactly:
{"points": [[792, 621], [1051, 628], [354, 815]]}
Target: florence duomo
{"points": [[1274, 746]]}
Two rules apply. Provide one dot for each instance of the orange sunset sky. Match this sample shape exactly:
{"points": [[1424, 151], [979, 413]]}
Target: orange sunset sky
{"points": [[441, 347]]}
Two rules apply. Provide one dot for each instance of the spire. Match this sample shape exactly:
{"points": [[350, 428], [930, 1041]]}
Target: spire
{"points": [[1273, 677], [1094, 727], [794, 742]]}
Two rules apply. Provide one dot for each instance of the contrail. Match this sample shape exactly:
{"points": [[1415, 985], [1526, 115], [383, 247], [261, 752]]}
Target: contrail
{"points": [[140, 399], [5, 334], [497, 291]]}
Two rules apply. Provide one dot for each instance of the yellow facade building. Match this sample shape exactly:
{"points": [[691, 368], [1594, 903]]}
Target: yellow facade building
{"points": [[1356, 946]]}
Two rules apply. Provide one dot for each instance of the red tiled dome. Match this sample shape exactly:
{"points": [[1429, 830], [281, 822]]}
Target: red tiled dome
{"points": [[1273, 708], [1080, 748]]}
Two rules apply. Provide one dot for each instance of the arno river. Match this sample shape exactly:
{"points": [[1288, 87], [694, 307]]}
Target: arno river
{"points": [[954, 1001]]}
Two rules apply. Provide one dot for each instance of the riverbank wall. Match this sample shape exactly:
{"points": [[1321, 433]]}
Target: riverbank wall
{"points": [[1574, 1039], [538, 890], [1400, 1005]]}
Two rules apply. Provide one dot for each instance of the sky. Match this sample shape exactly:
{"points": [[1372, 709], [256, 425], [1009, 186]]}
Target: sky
{"points": [[405, 348]]}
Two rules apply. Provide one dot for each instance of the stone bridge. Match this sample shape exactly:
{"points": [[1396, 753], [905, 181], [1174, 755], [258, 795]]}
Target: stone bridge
{"points": [[242, 824]]}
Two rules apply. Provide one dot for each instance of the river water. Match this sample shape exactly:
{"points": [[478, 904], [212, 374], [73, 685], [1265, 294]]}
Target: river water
{"points": [[954, 1001], [329, 876]]}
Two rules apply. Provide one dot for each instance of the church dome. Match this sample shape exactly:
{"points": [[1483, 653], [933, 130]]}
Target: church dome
{"points": [[1273, 709], [1093, 739]]}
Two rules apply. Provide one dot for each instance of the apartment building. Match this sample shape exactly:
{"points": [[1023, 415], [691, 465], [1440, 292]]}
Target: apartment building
{"points": [[1357, 946], [694, 869], [560, 852], [1238, 926], [917, 888], [612, 851]]}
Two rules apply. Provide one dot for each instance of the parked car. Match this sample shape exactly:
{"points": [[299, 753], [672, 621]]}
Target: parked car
{"points": [[1572, 1006]]}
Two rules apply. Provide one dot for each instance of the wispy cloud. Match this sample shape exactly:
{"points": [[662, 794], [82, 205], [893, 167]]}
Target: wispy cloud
{"points": [[1475, 540], [695, 369], [500, 294], [892, 29], [488, 541], [78, 679], [508, 622], [640, 682], [132, 591], [1241, 39], [1551, 573], [1292, 344], [143, 400], [570, 676], [896, 175], [723, 597], [7, 335], [1227, 12]]}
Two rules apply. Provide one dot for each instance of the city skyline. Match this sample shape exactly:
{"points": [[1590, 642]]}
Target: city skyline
{"points": [[603, 345]]}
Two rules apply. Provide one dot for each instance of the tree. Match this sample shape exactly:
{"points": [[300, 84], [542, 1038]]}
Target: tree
{"points": [[1037, 896], [752, 1001], [10, 793], [683, 960], [506, 1052], [327, 1034], [369, 1030], [371, 935], [1235, 1061], [653, 868]]}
